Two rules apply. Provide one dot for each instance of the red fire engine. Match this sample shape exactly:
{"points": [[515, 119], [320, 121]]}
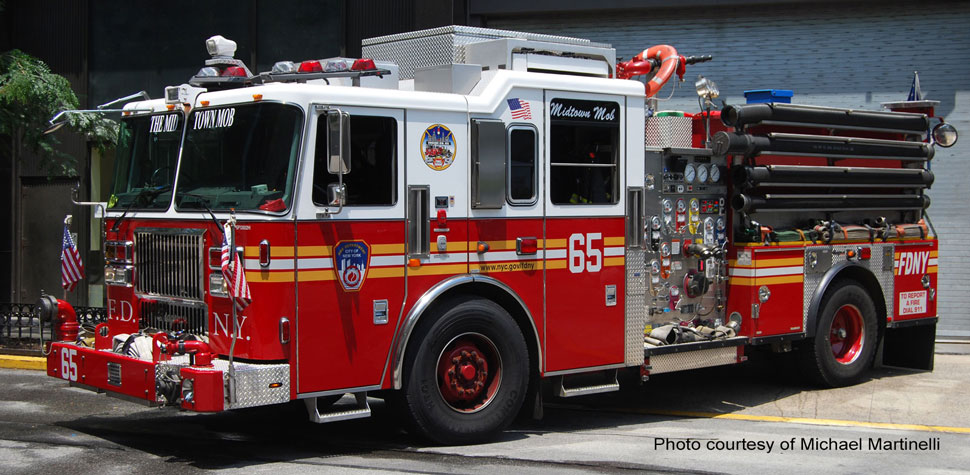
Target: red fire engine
{"points": [[473, 212]]}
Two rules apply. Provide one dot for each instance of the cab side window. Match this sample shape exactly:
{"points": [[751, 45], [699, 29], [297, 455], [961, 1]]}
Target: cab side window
{"points": [[372, 180], [584, 152], [523, 153]]}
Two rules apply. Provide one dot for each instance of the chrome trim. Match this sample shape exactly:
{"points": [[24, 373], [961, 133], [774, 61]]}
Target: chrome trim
{"points": [[175, 300], [411, 321], [590, 369], [331, 392]]}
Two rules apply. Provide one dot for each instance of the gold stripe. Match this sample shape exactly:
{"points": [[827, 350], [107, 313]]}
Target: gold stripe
{"points": [[751, 281], [555, 243], [383, 272], [513, 266], [934, 253], [932, 269], [267, 276], [764, 263], [315, 251], [388, 248], [556, 264], [614, 241], [275, 251], [614, 261]]}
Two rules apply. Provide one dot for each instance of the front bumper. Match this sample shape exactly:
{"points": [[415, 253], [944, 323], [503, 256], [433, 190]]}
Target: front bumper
{"points": [[172, 382]]}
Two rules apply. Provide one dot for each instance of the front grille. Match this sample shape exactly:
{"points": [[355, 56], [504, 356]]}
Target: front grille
{"points": [[173, 317], [170, 262]]}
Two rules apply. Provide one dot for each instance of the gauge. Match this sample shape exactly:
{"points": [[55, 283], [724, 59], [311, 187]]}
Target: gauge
{"points": [[695, 205], [665, 249], [654, 266], [667, 206], [690, 173], [681, 206], [701, 174], [715, 173], [708, 224], [720, 224], [655, 223], [674, 292]]}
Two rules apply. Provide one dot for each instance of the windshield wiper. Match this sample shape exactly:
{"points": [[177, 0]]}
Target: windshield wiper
{"points": [[202, 202], [154, 192]]}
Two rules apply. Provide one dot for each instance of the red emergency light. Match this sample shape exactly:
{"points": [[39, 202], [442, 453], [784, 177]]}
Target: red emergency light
{"points": [[363, 64], [234, 71], [311, 66]]}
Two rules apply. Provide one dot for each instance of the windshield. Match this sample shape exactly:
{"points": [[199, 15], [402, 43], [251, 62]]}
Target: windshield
{"points": [[148, 148], [240, 157]]}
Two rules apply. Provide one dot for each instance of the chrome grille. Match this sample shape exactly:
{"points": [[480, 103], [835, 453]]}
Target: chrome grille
{"points": [[173, 316], [169, 262]]}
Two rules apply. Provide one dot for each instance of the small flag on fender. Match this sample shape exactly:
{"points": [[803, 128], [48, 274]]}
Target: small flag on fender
{"points": [[72, 270], [234, 273]]}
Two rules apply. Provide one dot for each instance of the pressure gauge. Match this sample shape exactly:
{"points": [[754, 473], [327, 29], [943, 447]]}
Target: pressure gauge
{"points": [[701, 174], [720, 223], [681, 205], [715, 173], [695, 206], [667, 206], [665, 249], [655, 223], [690, 173], [654, 267], [708, 225]]}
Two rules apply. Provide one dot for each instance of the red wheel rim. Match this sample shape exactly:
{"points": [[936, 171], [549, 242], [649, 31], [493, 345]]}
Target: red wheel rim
{"points": [[469, 372], [847, 334]]}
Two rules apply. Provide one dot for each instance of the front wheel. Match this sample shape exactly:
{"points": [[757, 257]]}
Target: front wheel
{"points": [[466, 373], [845, 337]]}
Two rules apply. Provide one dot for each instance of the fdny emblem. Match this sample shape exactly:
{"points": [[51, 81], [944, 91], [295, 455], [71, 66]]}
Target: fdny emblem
{"points": [[351, 260], [438, 147]]}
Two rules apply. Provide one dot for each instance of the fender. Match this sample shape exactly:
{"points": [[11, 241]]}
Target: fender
{"points": [[432, 295], [648, 60], [829, 277]]}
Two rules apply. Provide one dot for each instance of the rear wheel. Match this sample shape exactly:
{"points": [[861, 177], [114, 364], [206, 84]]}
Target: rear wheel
{"points": [[465, 375], [845, 336]]}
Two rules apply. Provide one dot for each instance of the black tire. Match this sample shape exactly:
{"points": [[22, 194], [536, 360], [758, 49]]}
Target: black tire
{"points": [[846, 336], [499, 360]]}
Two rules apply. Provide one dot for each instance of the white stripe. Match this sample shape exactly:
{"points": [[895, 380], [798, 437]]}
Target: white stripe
{"points": [[769, 272], [933, 261], [614, 251], [556, 254]]}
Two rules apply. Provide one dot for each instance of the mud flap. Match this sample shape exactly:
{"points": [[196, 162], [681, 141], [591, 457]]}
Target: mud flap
{"points": [[911, 346]]}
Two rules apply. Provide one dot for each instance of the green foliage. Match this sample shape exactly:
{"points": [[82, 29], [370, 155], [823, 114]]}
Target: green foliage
{"points": [[30, 94]]}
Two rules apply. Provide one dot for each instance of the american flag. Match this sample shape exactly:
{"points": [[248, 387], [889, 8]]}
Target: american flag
{"points": [[520, 109], [914, 93], [235, 275], [72, 270]]}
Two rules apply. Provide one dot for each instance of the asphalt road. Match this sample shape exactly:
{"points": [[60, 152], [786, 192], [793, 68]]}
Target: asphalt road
{"points": [[666, 426]]}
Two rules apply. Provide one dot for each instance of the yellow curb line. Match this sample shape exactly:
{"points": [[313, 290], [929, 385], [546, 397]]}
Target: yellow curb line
{"points": [[810, 421], [23, 362]]}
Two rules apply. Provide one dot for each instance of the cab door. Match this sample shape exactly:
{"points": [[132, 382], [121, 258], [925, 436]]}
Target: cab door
{"points": [[584, 230], [350, 275]]}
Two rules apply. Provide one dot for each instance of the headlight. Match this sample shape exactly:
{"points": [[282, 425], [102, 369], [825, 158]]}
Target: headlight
{"points": [[945, 135], [118, 275], [217, 286]]}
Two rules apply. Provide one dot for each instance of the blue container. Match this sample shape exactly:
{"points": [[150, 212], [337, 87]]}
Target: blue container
{"points": [[757, 96]]}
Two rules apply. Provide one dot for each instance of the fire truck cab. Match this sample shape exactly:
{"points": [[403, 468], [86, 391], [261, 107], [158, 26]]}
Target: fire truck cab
{"points": [[474, 211]]}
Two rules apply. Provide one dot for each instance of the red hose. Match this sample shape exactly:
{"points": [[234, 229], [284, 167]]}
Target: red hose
{"points": [[645, 63]]}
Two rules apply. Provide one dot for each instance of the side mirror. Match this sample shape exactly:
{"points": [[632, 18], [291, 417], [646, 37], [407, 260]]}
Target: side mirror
{"points": [[336, 194], [338, 142]]}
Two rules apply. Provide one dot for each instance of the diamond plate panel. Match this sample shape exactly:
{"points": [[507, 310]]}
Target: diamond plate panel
{"points": [[252, 386], [636, 305], [444, 45], [663, 132], [693, 359], [838, 253]]}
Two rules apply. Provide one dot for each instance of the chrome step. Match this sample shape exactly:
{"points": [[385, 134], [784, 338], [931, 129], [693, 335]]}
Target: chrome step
{"points": [[339, 412], [611, 386]]}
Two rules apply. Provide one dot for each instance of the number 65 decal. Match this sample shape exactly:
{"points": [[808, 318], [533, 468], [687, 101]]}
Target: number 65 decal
{"points": [[591, 260], [68, 365]]}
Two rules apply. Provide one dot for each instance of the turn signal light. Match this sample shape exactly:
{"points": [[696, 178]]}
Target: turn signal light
{"points": [[865, 253], [482, 247], [414, 262]]}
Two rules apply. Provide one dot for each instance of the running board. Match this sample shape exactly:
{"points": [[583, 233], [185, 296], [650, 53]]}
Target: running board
{"points": [[338, 413], [612, 385]]}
